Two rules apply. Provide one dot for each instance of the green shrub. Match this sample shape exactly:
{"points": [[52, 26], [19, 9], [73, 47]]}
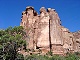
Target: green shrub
{"points": [[72, 57], [49, 53]]}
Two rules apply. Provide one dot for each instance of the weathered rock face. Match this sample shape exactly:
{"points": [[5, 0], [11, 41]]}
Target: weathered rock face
{"points": [[45, 32], [43, 29], [77, 41]]}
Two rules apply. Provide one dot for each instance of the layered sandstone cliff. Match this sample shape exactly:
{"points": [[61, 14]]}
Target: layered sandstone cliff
{"points": [[45, 32]]}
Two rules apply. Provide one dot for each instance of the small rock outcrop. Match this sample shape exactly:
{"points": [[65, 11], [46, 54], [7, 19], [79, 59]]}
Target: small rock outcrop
{"points": [[45, 32]]}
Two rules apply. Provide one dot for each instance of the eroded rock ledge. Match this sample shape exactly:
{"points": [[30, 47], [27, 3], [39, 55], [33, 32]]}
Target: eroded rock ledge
{"points": [[45, 32]]}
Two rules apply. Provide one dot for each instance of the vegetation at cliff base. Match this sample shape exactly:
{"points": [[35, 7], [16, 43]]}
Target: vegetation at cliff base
{"points": [[53, 57]]}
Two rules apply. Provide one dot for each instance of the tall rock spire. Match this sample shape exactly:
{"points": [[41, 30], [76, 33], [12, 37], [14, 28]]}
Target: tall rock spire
{"points": [[45, 32]]}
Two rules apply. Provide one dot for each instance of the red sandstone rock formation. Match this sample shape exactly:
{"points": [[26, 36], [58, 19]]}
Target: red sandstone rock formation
{"points": [[45, 32]]}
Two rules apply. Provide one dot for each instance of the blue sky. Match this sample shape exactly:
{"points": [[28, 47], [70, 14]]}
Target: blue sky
{"points": [[68, 11]]}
